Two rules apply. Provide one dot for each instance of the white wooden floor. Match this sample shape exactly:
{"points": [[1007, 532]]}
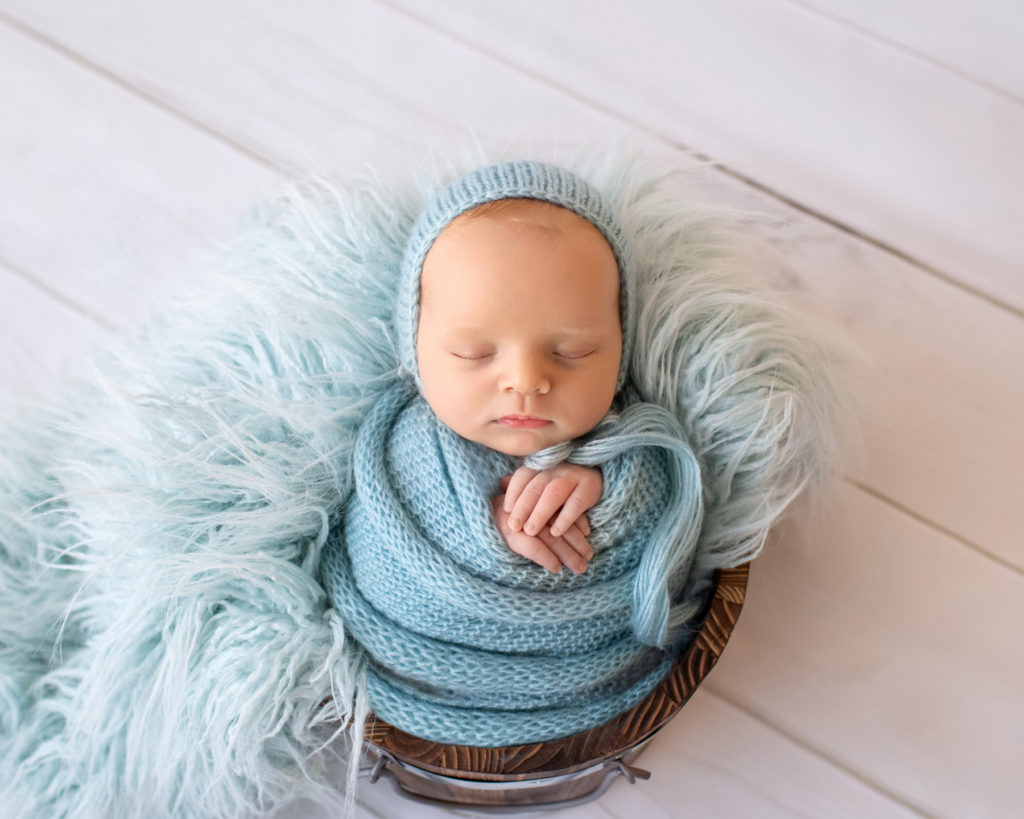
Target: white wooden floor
{"points": [[878, 667]]}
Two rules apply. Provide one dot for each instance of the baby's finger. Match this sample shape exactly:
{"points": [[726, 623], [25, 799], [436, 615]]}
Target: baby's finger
{"points": [[565, 553], [555, 493], [535, 549], [583, 522], [572, 508], [517, 482], [574, 537], [522, 510], [529, 547]]}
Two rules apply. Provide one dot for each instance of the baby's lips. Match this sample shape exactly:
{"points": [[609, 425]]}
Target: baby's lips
{"points": [[524, 421]]}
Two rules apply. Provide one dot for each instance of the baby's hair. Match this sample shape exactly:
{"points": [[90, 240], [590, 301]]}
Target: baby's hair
{"points": [[536, 212]]}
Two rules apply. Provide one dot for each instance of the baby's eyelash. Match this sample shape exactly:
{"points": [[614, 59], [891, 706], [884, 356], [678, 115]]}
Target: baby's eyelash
{"points": [[483, 356], [472, 356]]}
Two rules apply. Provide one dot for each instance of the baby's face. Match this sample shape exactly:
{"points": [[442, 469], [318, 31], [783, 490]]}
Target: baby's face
{"points": [[519, 339]]}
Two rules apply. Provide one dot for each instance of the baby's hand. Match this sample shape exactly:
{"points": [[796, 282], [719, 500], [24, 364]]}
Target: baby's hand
{"points": [[533, 497], [545, 549]]}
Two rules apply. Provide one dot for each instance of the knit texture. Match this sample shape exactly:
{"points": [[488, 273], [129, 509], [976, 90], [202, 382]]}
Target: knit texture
{"points": [[471, 643]]}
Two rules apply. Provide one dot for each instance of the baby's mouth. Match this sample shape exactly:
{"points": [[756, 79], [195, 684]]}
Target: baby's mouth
{"points": [[523, 421]]}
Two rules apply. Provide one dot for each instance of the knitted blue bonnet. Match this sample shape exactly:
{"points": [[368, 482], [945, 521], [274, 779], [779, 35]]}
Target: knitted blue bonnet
{"points": [[508, 180]]}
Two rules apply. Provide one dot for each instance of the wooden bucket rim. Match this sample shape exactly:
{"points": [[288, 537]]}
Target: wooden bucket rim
{"points": [[578, 751]]}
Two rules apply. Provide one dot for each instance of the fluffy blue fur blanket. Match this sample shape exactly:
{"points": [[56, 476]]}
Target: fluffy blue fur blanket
{"points": [[165, 646]]}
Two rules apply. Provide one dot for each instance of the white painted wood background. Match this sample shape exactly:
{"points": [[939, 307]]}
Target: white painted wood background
{"points": [[878, 668]]}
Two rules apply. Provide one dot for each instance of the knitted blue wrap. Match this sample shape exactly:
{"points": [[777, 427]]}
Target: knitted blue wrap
{"points": [[471, 643]]}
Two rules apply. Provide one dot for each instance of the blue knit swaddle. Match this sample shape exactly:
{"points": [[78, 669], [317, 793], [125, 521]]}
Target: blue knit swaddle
{"points": [[470, 643]]}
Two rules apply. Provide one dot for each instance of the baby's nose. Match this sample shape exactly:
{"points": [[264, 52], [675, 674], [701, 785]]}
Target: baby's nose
{"points": [[526, 375]]}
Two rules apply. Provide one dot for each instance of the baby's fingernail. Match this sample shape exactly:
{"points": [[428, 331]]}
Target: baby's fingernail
{"points": [[556, 530], [531, 528], [579, 566], [515, 524]]}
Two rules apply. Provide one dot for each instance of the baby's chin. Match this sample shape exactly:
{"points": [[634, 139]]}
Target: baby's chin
{"points": [[520, 444]]}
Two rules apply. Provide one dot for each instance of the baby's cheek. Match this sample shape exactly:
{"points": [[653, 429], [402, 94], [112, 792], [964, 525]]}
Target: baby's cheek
{"points": [[594, 404]]}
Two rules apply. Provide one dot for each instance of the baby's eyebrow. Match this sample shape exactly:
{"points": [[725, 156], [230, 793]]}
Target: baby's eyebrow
{"points": [[586, 333]]}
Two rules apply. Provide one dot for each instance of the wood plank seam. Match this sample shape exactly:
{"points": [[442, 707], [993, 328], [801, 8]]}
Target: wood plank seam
{"points": [[874, 241], [148, 96], [905, 49], [54, 294], [820, 753], [910, 513]]}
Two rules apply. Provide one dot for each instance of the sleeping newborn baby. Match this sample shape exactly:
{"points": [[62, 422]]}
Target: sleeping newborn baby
{"points": [[515, 557], [519, 347]]}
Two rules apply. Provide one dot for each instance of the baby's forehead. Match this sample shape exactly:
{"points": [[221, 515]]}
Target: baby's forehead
{"points": [[486, 228], [514, 261]]}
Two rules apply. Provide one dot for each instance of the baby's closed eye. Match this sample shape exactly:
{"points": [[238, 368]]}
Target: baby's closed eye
{"points": [[575, 353], [473, 353]]}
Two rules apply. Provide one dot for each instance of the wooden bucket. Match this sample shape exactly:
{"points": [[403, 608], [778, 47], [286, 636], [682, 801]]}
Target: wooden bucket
{"points": [[560, 772]]}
